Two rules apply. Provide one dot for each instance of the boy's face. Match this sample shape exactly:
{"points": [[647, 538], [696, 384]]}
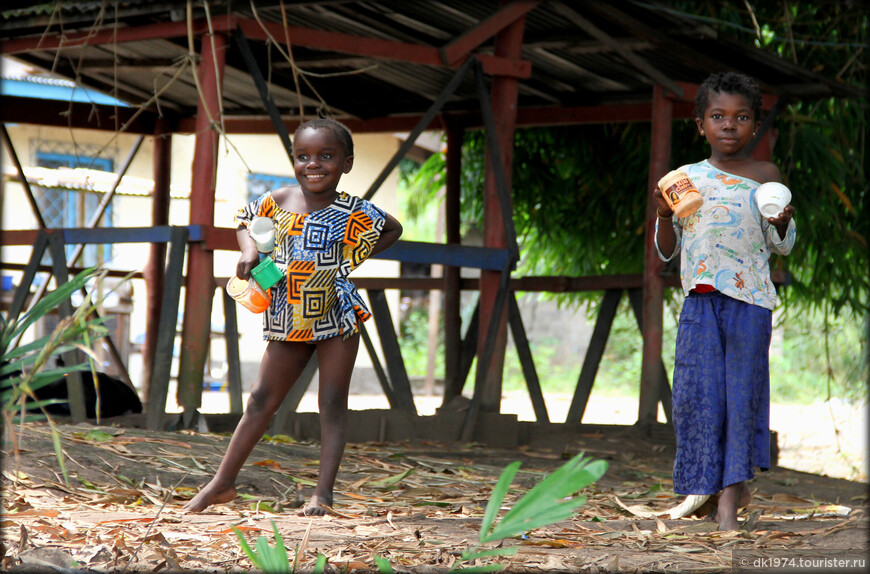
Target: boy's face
{"points": [[320, 160], [728, 122]]}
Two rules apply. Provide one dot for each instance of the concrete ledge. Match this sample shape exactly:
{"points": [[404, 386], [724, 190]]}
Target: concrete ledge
{"points": [[494, 430]]}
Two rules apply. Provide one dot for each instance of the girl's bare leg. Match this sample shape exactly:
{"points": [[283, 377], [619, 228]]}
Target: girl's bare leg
{"points": [[336, 358], [733, 496], [282, 364]]}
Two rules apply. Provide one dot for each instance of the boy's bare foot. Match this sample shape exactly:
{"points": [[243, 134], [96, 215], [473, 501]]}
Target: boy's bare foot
{"points": [[315, 506], [208, 496]]}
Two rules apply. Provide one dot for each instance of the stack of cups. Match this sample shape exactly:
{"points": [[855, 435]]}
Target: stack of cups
{"points": [[255, 295], [262, 231]]}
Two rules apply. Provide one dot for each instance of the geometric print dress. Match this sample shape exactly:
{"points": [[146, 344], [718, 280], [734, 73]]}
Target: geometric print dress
{"points": [[316, 252]]}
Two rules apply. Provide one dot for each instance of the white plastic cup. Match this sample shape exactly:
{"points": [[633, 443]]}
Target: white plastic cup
{"points": [[771, 198], [262, 231]]}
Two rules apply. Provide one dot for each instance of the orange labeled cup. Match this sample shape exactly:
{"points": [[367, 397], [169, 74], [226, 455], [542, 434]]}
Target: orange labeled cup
{"points": [[680, 193], [249, 294]]}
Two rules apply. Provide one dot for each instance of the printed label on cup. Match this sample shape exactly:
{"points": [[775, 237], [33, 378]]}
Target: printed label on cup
{"points": [[680, 193]]}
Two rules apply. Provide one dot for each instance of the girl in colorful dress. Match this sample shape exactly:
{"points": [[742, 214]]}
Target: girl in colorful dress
{"points": [[321, 235], [721, 381]]}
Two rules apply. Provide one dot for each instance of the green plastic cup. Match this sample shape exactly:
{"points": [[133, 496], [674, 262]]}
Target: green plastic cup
{"points": [[266, 274]]}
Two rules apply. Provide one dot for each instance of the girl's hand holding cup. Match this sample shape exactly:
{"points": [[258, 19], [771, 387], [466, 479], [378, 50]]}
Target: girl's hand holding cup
{"points": [[773, 200], [249, 259], [663, 209]]}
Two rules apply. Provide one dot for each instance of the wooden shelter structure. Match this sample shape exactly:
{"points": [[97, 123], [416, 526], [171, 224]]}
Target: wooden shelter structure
{"points": [[216, 67]]}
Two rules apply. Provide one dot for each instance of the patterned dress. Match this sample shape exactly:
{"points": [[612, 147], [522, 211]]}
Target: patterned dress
{"points": [[316, 252]]}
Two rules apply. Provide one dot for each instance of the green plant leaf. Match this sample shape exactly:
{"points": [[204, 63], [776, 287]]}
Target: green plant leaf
{"points": [[265, 557], [547, 502], [302, 481], [384, 566], [263, 506], [58, 451], [97, 435], [283, 438], [504, 551], [280, 550], [497, 496], [476, 569], [391, 480], [49, 302], [320, 564], [255, 560]]}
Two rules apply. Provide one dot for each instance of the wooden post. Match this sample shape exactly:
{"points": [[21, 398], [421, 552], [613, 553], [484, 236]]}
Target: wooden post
{"points": [[154, 270], [452, 294], [200, 263], [508, 44], [653, 288]]}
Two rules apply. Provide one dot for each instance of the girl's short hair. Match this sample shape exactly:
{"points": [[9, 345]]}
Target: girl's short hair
{"points": [[729, 83], [340, 130]]}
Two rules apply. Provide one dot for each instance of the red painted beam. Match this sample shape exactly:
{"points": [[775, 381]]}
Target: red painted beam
{"points": [[505, 92], [19, 236], [653, 288], [612, 113], [221, 239], [513, 67], [73, 115], [115, 36], [373, 47], [691, 90], [200, 263], [316, 39], [526, 117], [456, 51], [344, 43], [154, 269], [263, 125]]}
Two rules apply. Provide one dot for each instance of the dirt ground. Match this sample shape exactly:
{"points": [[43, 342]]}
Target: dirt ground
{"points": [[418, 505]]}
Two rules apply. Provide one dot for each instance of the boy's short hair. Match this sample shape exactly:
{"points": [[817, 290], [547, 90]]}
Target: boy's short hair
{"points": [[341, 131], [729, 83]]}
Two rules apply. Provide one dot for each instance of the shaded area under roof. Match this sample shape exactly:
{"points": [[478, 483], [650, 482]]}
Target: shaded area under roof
{"points": [[359, 60]]}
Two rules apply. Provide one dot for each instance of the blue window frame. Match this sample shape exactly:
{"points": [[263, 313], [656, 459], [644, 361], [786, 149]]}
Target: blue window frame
{"points": [[73, 208]]}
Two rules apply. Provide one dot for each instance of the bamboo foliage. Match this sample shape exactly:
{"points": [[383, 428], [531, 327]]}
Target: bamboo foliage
{"points": [[24, 368]]}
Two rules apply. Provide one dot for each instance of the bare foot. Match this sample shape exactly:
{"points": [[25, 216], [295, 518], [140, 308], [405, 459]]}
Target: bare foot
{"points": [[209, 495], [315, 506], [728, 503]]}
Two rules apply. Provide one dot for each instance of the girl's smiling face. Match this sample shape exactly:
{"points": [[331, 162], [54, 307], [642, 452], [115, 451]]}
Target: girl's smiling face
{"points": [[320, 160], [728, 123]]}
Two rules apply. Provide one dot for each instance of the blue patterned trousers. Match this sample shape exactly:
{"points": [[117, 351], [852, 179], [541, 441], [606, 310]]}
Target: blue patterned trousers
{"points": [[721, 394]]}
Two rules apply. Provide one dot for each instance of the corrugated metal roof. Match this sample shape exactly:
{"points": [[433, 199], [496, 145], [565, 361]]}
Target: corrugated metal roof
{"points": [[582, 53], [82, 179]]}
